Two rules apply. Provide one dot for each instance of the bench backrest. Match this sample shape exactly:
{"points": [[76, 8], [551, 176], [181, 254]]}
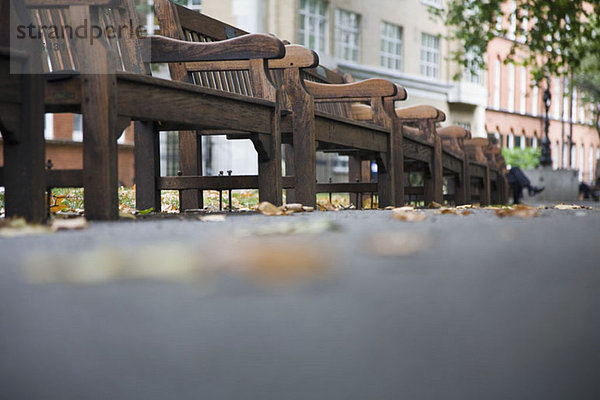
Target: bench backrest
{"points": [[78, 34], [245, 77]]}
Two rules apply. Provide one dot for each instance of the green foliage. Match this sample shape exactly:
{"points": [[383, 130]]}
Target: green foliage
{"points": [[559, 33], [526, 158]]}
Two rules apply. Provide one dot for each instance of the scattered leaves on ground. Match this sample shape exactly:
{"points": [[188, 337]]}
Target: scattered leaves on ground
{"points": [[520, 211], [434, 204], [404, 214]]}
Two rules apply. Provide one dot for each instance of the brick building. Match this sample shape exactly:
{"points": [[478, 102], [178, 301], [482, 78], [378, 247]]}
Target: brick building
{"points": [[515, 110]]}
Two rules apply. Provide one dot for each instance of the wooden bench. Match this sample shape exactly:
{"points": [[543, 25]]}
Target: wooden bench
{"points": [[110, 84], [310, 125]]}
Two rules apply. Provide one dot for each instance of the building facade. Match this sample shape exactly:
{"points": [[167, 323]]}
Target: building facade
{"points": [[515, 109], [393, 39]]}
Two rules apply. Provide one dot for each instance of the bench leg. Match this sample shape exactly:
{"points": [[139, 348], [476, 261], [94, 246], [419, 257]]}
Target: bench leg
{"points": [[434, 189], [24, 169], [147, 166], [290, 170], [269, 163], [486, 190], [190, 164]]}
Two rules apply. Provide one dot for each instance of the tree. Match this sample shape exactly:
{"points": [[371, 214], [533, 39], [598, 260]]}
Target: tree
{"points": [[553, 37]]}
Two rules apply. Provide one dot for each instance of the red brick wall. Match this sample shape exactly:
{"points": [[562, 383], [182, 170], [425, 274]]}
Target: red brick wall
{"points": [[68, 155]]}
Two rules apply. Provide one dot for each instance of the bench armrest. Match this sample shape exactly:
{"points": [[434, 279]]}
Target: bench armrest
{"points": [[420, 113], [476, 142], [296, 56], [254, 46], [373, 87], [453, 131]]}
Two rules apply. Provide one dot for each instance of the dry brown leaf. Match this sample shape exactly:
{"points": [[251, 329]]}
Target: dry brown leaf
{"points": [[69, 224], [446, 210], [389, 208], [404, 208], [395, 244], [466, 212], [267, 208], [409, 216], [17, 227], [519, 211], [296, 207], [434, 204], [326, 206]]}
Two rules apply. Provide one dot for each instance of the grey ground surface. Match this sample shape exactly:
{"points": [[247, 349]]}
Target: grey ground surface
{"points": [[478, 308]]}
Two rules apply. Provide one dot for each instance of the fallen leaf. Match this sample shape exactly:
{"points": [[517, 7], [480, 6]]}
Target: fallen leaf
{"points": [[395, 244], [145, 212], [308, 209], [563, 206], [291, 228], [446, 210], [69, 224], [267, 208], [213, 218], [466, 212], [434, 204], [520, 211], [409, 216], [296, 207]]}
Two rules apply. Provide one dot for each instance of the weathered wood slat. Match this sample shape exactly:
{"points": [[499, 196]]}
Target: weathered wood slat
{"points": [[235, 182], [347, 187], [65, 178]]}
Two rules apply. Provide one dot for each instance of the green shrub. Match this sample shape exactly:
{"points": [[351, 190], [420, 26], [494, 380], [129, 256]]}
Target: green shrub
{"points": [[526, 158]]}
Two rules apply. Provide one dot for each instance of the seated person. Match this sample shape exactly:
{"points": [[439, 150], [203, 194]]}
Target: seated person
{"points": [[518, 181]]}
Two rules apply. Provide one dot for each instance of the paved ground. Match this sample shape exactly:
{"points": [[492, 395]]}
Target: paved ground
{"points": [[472, 307]]}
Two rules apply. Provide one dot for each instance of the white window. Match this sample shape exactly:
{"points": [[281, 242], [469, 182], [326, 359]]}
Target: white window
{"points": [[314, 17], [511, 141], [574, 105], [565, 163], [497, 71], [391, 46], [347, 35], [534, 100], [556, 96], [49, 126], [122, 139], [192, 4], [523, 91], [581, 111], [513, 20], [430, 56], [475, 75], [555, 156], [77, 127], [511, 87], [534, 143], [565, 113], [574, 156], [581, 162], [433, 3], [591, 165]]}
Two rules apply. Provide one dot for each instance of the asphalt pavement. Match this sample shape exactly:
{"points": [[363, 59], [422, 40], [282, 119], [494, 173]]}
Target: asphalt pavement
{"points": [[326, 305]]}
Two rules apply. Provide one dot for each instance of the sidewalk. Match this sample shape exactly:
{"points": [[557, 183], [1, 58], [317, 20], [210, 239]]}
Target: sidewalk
{"points": [[358, 306]]}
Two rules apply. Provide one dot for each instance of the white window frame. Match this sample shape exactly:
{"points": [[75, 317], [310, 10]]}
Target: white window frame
{"points": [[556, 155], [347, 35], [511, 88], [565, 153], [581, 162], [574, 156], [510, 142], [565, 111], [430, 55], [591, 165], [470, 76], [556, 95], [513, 20], [77, 128], [48, 126], [535, 94], [497, 77], [534, 142], [391, 46], [574, 105], [318, 17], [523, 91]]}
